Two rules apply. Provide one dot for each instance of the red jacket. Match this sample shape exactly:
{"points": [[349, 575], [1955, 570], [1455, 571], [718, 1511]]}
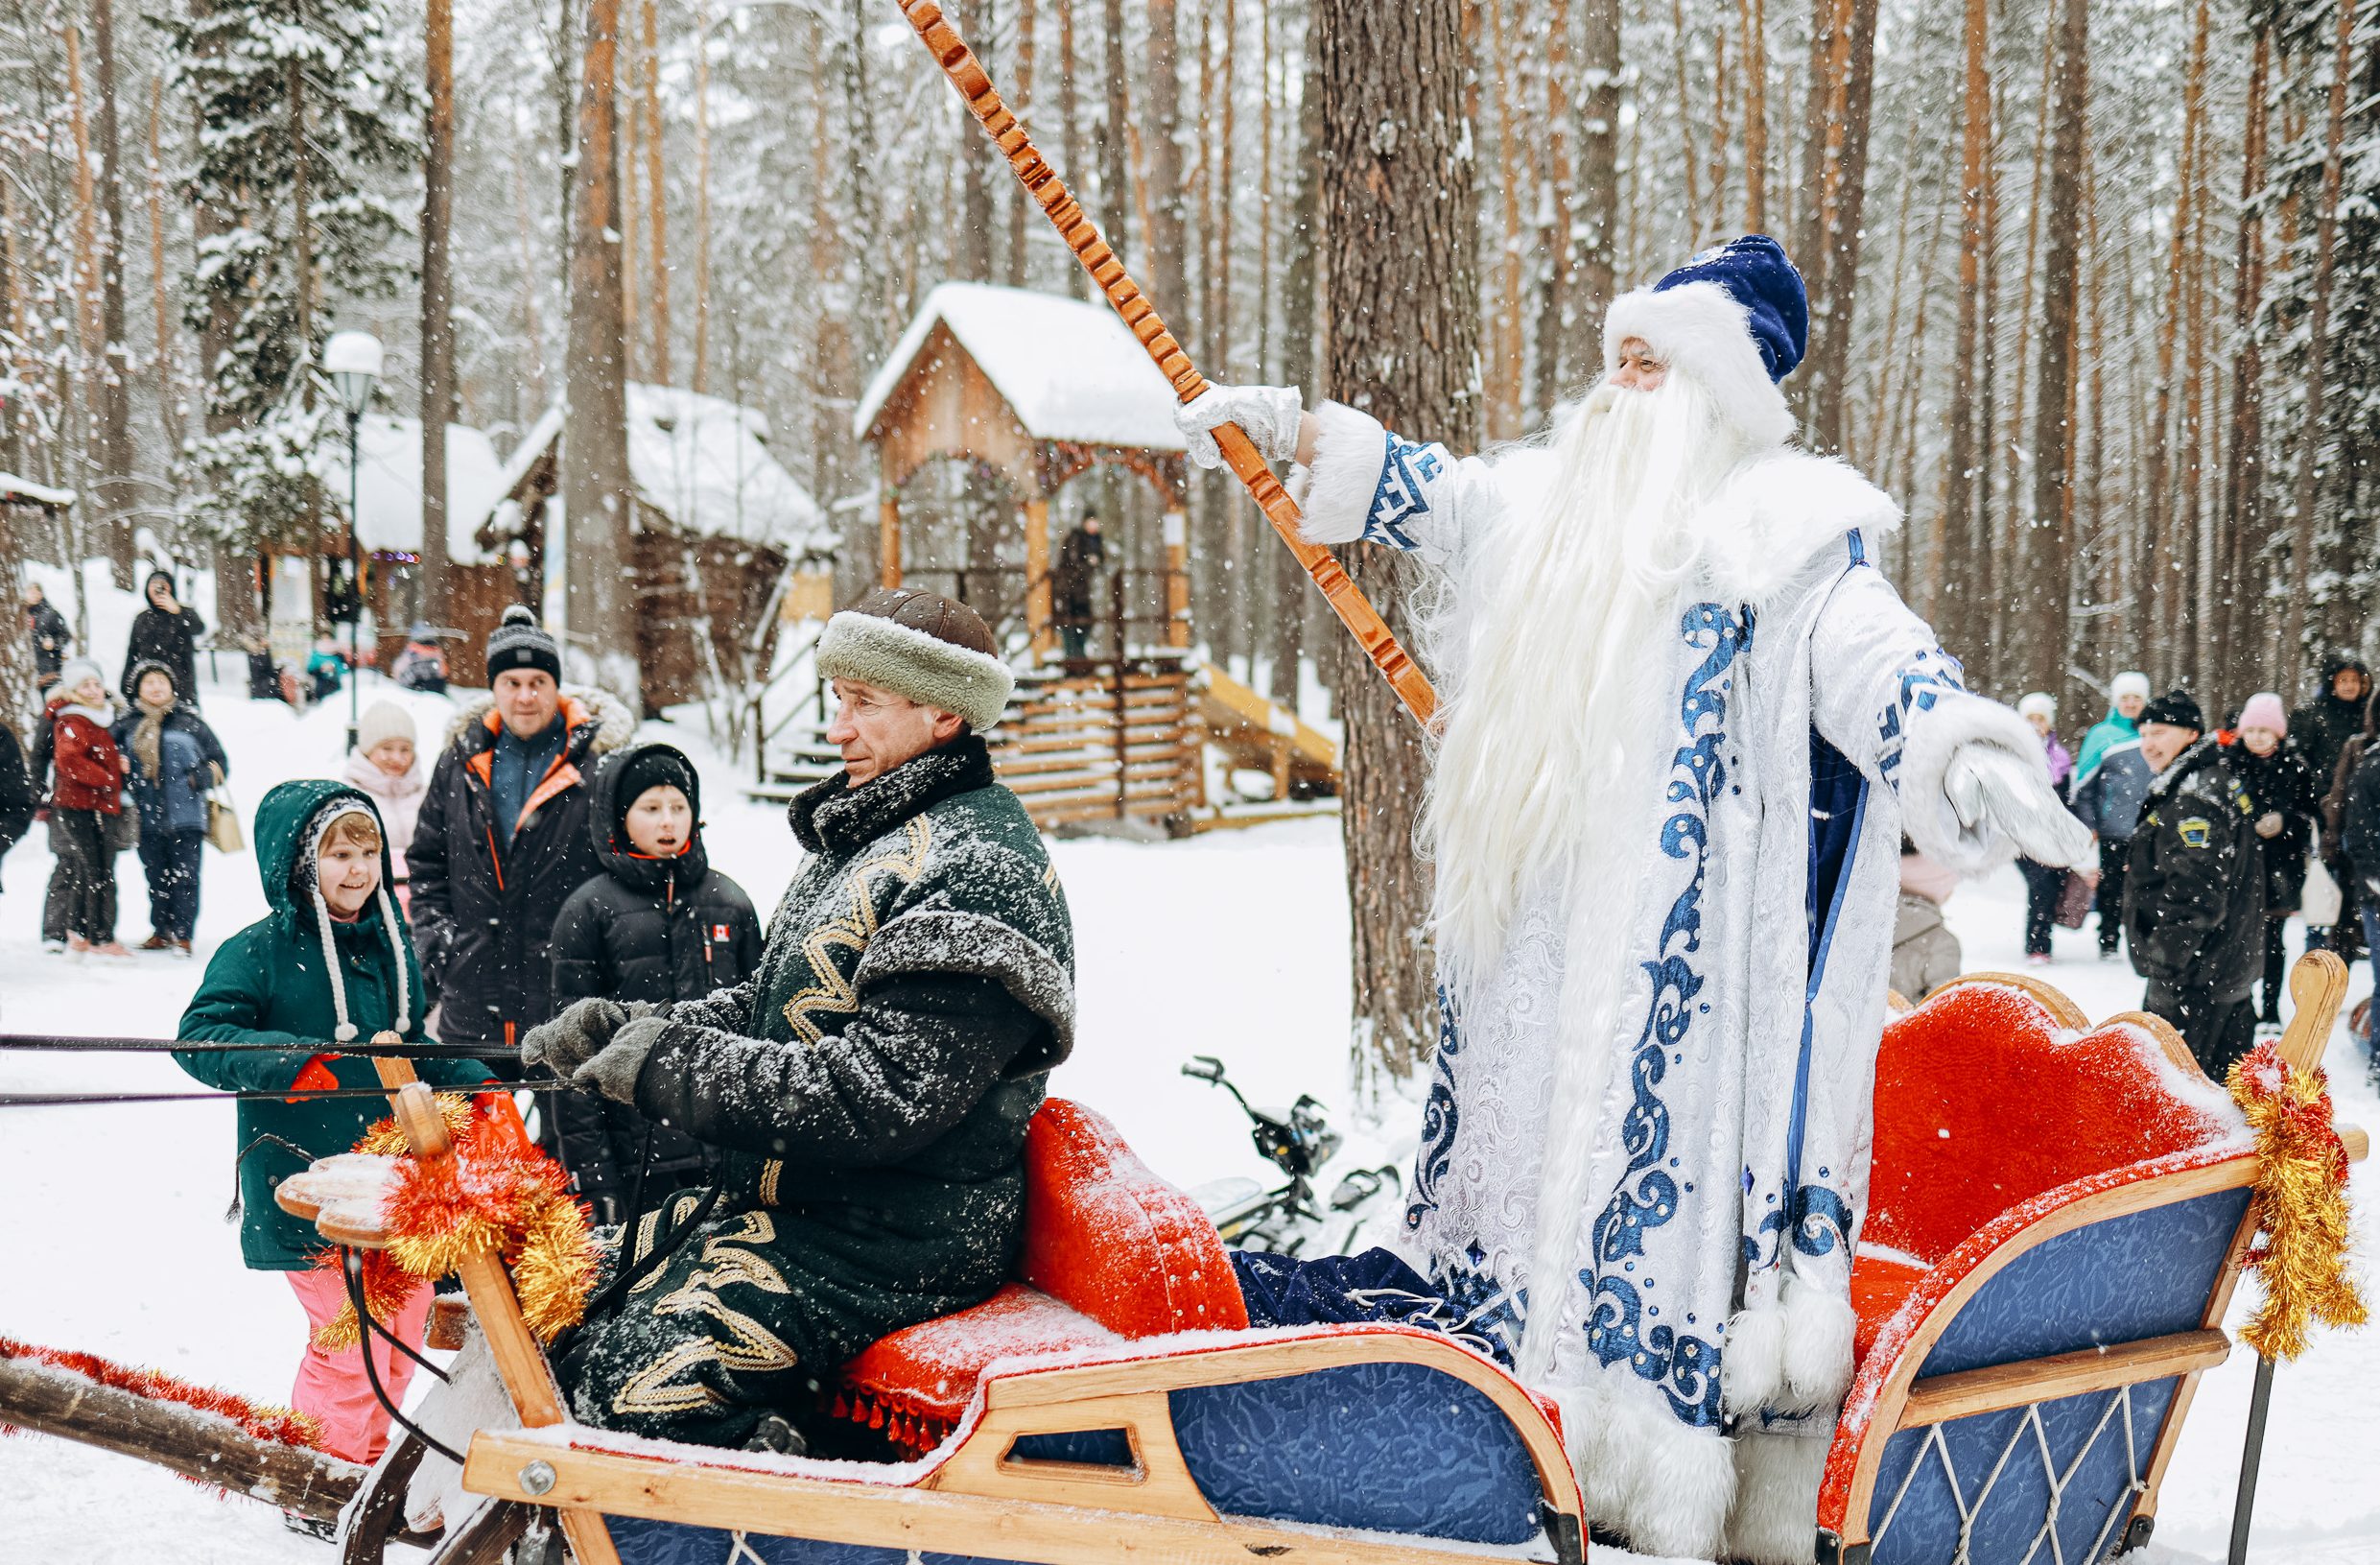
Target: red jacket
{"points": [[89, 768]]}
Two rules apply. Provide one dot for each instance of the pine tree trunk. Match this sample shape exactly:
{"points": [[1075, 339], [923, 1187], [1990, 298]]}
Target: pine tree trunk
{"points": [[1554, 210], [1753, 15], [1167, 278], [699, 376], [167, 368], [2050, 547], [1400, 217], [2244, 461], [978, 168], [657, 221], [596, 489], [2311, 438], [1508, 386], [438, 321], [1023, 104], [1841, 94], [117, 496], [1070, 136], [1956, 525], [1595, 210], [1301, 320], [1115, 176]]}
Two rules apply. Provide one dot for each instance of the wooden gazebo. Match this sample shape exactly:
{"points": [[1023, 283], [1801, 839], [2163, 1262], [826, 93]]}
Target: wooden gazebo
{"points": [[1039, 389], [1034, 389]]}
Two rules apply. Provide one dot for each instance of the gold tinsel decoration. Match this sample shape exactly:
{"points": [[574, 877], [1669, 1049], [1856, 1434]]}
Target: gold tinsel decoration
{"points": [[496, 1192], [2300, 1204]]}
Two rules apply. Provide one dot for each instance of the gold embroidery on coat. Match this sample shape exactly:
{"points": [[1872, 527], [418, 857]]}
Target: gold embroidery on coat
{"points": [[771, 1172], [833, 995], [749, 1347]]}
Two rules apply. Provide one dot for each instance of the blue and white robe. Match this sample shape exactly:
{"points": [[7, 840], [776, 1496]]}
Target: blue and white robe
{"points": [[1705, 1333]]}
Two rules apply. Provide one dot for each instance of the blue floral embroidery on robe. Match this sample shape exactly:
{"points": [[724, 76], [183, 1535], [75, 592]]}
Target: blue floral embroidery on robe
{"points": [[1399, 498], [1619, 1323], [1440, 1118]]}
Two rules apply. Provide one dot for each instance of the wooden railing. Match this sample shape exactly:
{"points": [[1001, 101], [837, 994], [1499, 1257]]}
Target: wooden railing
{"points": [[1114, 741]]}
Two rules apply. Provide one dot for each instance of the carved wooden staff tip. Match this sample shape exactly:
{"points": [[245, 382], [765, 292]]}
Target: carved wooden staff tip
{"points": [[1041, 181]]}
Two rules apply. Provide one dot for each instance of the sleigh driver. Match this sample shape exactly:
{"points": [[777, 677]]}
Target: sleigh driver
{"points": [[1686, 720]]}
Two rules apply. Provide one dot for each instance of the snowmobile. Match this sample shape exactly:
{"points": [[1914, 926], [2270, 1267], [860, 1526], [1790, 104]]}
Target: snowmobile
{"points": [[1301, 1142], [2058, 1216]]}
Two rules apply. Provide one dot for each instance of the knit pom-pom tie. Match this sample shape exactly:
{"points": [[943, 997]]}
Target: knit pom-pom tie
{"points": [[345, 1031], [396, 952]]}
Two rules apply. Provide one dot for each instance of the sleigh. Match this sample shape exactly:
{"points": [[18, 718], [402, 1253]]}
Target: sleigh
{"points": [[2059, 1217], [1109, 1403]]}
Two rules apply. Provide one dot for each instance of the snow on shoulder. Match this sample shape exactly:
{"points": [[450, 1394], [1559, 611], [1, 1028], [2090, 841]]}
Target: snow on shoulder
{"points": [[1071, 370]]}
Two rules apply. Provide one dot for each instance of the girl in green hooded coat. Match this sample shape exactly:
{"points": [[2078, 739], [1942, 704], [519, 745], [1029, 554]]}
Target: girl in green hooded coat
{"points": [[333, 962]]}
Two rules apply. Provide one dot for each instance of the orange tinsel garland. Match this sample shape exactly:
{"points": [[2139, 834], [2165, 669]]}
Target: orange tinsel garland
{"points": [[2300, 1204], [497, 1192], [259, 1420]]}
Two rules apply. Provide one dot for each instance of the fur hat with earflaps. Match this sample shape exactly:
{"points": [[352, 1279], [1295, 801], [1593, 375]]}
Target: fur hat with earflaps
{"points": [[1736, 319], [935, 650]]}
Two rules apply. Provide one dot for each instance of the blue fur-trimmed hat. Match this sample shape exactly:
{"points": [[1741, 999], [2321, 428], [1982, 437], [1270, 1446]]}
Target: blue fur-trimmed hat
{"points": [[1777, 308], [1734, 318]]}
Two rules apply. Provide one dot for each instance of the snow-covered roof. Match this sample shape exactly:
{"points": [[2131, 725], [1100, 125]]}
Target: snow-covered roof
{"points": [[704, 464], [13, 488], [1072, 370], [388, 497]]}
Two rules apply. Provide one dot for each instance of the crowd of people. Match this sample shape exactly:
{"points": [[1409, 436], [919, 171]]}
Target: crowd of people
{"points": [[2210, 837]]}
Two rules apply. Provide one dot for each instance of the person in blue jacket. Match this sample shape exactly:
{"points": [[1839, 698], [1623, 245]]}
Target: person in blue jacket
{"points": [[2108, 796], [173, 759]]}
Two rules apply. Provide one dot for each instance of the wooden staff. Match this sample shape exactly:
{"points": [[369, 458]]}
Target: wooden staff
{"points": [[975, 85]]}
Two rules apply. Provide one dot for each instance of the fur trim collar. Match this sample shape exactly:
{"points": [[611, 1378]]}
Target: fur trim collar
{"points": [[612, 722], [1781, 511], [1700, 330]]}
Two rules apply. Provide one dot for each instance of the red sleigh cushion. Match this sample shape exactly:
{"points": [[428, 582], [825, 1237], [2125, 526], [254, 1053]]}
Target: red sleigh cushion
{"points": [[1993, 1092], [1105, 1235], [1111, 1252]]}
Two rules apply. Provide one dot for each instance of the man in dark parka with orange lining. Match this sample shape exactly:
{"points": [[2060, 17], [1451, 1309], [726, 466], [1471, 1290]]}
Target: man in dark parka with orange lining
{"points": [[502, 839]]}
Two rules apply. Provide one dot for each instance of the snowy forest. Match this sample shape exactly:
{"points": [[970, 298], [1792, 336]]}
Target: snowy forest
{"points": [[2091, 280]]}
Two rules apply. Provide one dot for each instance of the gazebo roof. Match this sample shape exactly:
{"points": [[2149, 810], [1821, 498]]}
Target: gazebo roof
{"points": [[1069, 371]]}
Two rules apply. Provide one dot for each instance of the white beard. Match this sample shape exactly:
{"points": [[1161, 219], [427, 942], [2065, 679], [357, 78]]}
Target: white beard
{"points": [[1539, 650], [1555, 648]]}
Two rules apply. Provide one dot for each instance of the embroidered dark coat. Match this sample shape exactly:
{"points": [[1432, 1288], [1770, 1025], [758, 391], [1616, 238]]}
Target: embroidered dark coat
{"points": [[870, 1087]]}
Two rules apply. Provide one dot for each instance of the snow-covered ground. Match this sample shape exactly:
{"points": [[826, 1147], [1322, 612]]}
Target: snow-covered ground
{"points": [[1234, 945]]}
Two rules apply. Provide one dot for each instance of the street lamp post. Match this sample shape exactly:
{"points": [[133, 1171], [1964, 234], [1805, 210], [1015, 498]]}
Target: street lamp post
{"points": [[352, 359]]}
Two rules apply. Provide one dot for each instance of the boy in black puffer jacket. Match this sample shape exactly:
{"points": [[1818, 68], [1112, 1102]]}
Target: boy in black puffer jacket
{"points": [[659, 924]]}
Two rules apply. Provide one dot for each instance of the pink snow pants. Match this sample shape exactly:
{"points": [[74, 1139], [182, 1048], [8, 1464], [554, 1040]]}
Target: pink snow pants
{"points": [[332, 1386]]}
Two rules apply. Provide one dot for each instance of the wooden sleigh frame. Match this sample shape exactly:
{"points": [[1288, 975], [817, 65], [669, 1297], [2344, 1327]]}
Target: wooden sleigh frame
{"points": [[975, 1497], [1981, 1458], [1936, 1417]]}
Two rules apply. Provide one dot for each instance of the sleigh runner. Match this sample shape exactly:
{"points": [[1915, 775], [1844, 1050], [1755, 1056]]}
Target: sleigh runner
{"points": [[2060, 1214]]}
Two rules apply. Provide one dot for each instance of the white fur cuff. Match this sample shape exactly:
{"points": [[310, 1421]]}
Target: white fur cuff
{"points": [[1699, 330], [1935, 736], [1335, 493], [1774, 1521]]}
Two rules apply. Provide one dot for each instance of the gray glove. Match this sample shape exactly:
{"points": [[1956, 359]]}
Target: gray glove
{"points": [[613, 1071], [1989, 784], [1268, 414], [568, 1041]]}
